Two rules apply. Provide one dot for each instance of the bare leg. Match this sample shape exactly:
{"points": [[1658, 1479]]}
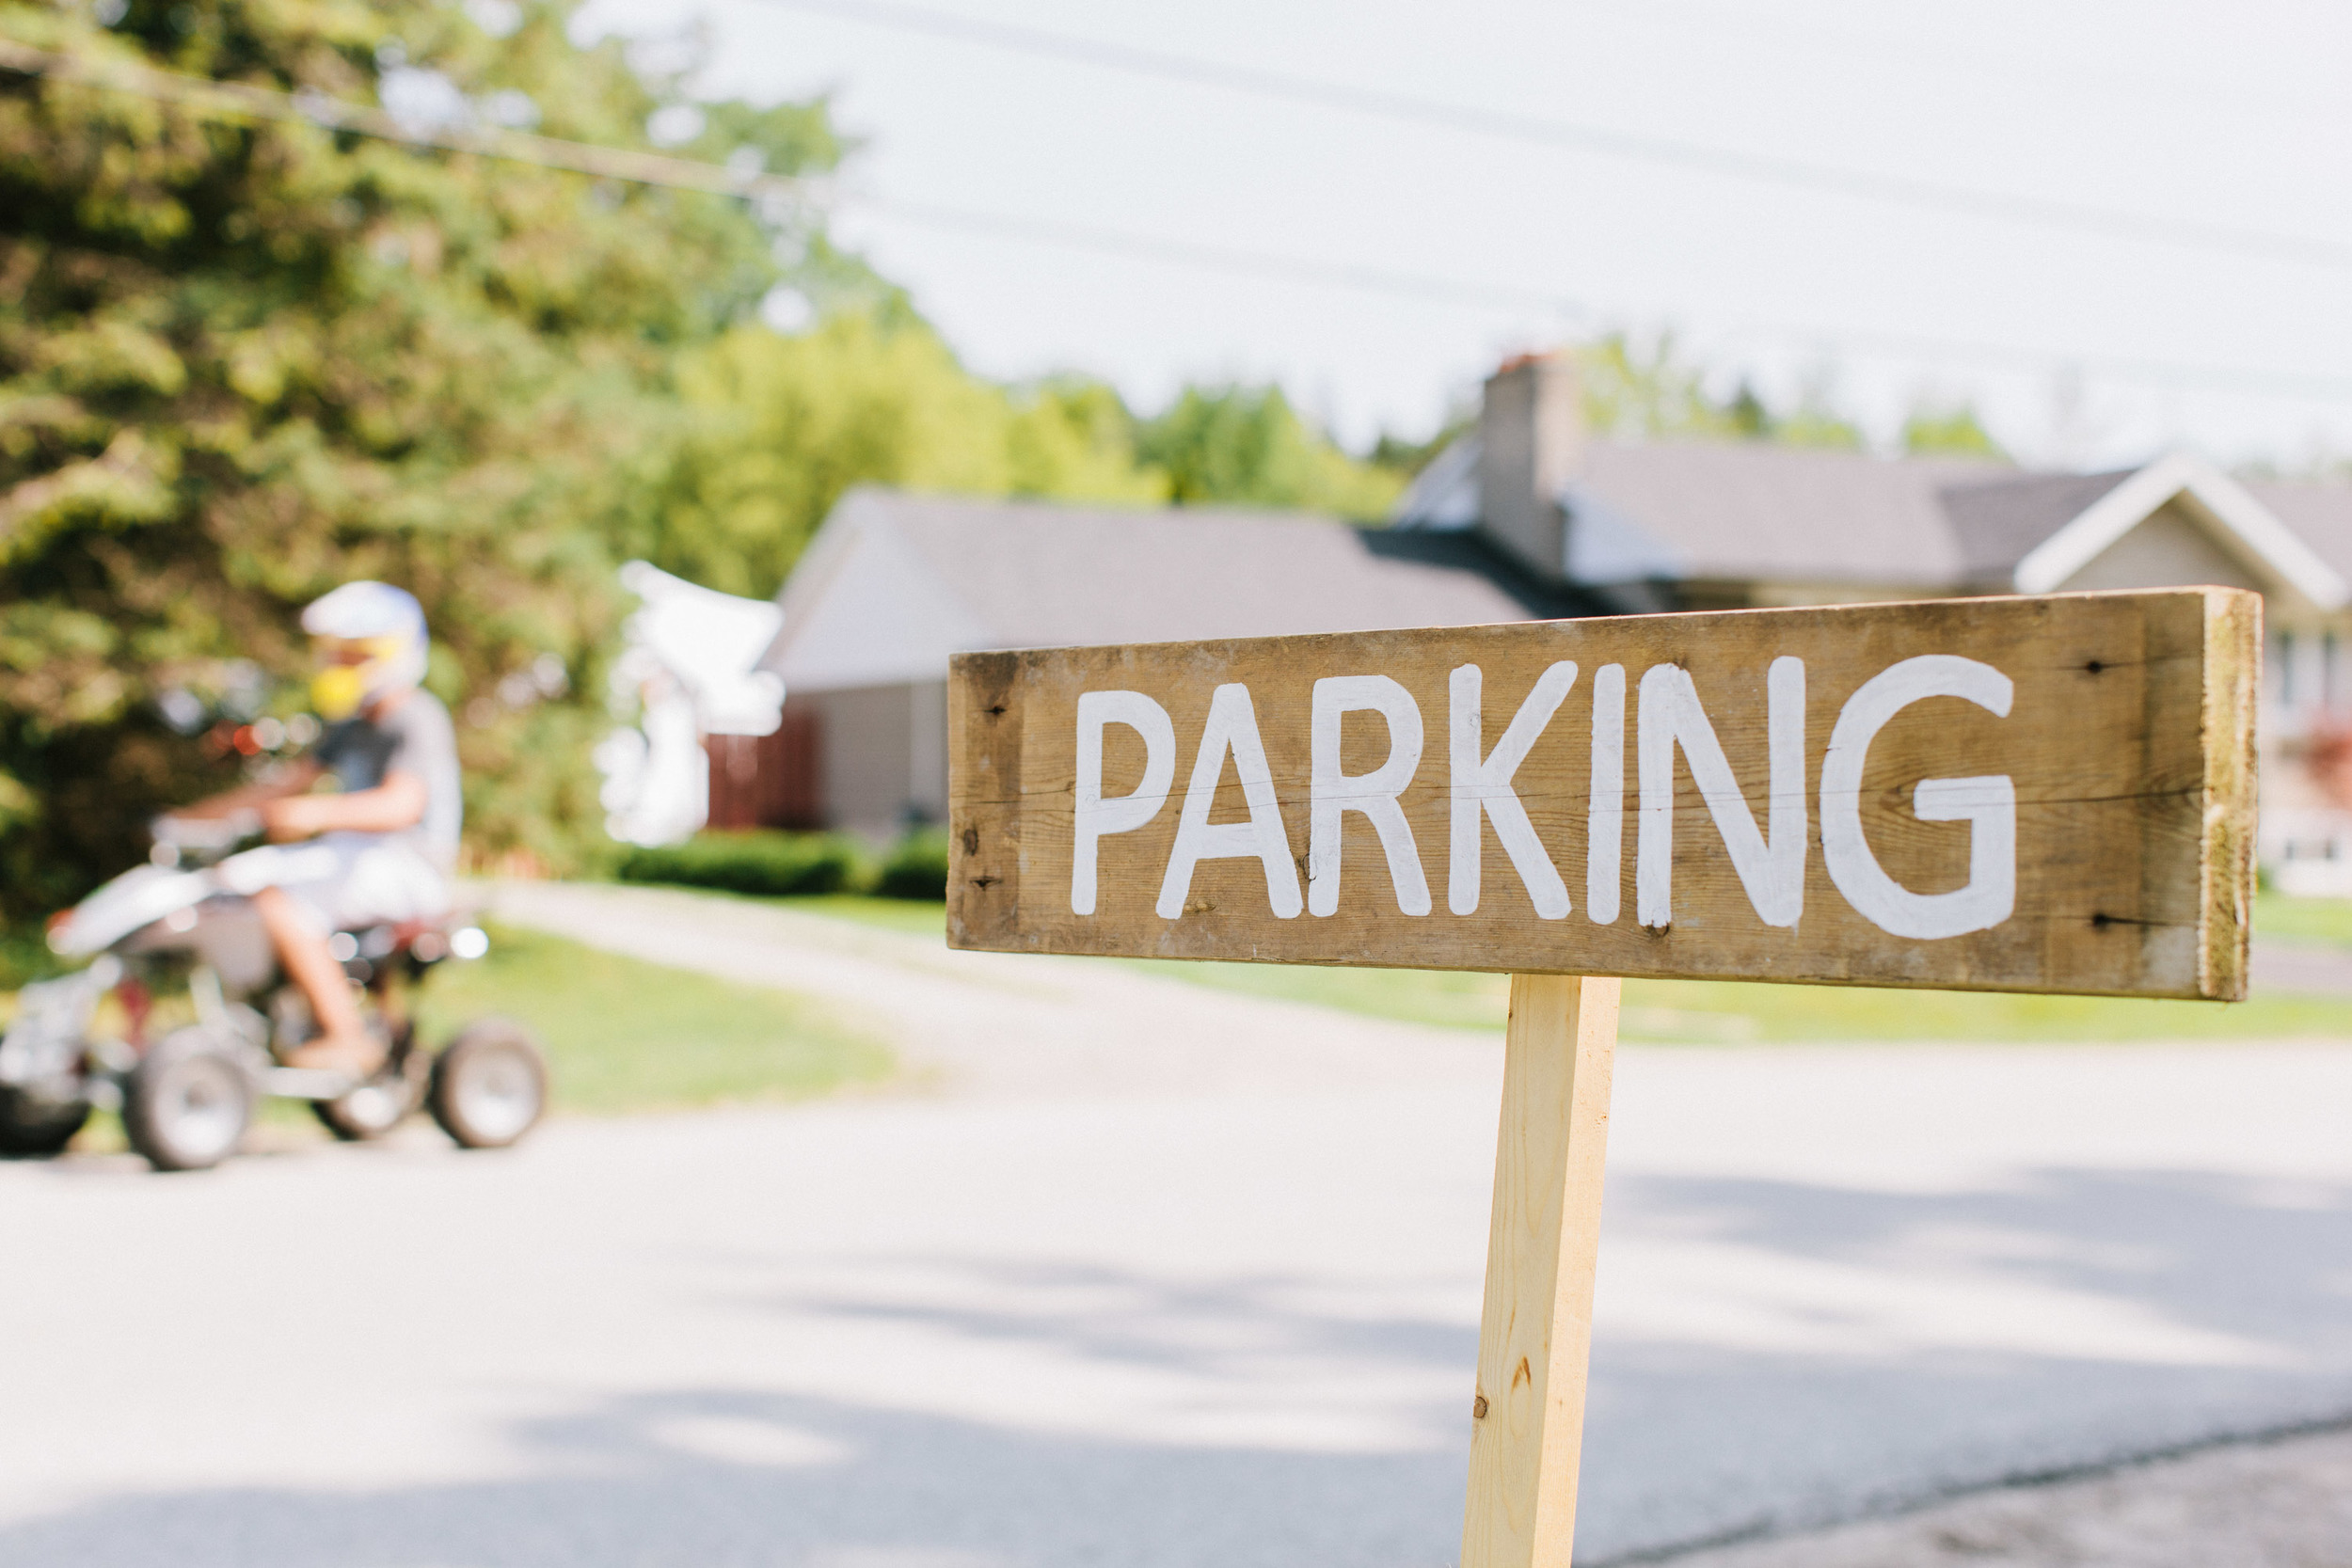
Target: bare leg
{"points": [[344, 1040]]}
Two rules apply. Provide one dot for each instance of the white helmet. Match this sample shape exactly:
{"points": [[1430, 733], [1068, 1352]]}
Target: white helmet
{"points": [[383, 623]]}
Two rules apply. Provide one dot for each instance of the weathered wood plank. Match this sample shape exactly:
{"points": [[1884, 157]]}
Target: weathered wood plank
{"points": [[984, 734], [2234, 644], [2126, 748], [1535, 1334]]}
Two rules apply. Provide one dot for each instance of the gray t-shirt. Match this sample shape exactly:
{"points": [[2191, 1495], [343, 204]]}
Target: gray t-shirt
{"points": [[415, 737]]}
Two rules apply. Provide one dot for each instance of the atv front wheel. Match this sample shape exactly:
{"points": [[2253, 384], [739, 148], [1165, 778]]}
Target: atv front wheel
{"points": [[188, 1102], [382, 1102]]}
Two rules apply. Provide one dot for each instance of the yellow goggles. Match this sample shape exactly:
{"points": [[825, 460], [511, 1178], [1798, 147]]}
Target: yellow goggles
{"points": [[338, 689]]}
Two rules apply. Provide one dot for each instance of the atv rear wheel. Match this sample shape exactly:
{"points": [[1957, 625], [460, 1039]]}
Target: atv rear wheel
{"points": [[32, 1128], [490, 1086], [188, 1102]]}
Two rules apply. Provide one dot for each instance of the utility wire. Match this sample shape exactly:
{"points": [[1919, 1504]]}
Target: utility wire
{"points": [[2314, 385], [1112, 242], [241, 101], [1863, 185]]}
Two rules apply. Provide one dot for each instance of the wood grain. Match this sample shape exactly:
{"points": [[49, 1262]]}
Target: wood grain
{"points": [[1535, 1334], [2129, 745]]}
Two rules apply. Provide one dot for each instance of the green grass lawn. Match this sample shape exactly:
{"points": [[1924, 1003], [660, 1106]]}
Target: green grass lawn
{"points": [[1729, 1012], [623, 1034], [1717, 1011], [2313, 922]]}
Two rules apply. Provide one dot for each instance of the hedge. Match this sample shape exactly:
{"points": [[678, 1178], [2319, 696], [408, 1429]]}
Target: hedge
{"points": [[783, 864], [759, 861], [918, 868]]}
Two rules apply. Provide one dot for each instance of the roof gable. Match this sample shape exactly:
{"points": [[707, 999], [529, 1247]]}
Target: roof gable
{"points": [[2242, 527]]}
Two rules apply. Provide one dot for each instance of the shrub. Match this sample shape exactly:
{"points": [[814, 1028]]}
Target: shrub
{"points": [[24, 956], [918, 868], [761, 861]]}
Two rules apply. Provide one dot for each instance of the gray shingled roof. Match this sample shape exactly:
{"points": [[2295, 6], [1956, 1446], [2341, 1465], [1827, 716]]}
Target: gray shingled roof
{"points": [[995, 574], [1039, 575], [1743, 510], [1995, 523], [2320, 514], [1694, 511], [895, 581]]}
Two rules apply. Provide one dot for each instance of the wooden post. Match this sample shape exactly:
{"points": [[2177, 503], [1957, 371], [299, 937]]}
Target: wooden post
{"points": [[1527, 1434]]}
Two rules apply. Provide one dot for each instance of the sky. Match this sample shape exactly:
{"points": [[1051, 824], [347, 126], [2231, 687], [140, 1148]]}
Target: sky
{"points": [[2152, 246]]}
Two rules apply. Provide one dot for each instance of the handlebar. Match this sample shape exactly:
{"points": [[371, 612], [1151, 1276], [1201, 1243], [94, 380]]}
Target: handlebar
{"points": [[179, 838]]}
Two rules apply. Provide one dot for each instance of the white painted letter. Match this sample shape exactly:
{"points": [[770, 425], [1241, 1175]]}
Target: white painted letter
{"points": [[1094, 815], [1604, 822], [1481, 788], [1330, 792], [1232, 726], [1772, 868], [1986, 804]]}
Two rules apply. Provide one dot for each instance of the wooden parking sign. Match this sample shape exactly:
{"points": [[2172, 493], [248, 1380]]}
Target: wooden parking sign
{"points": [[2047, 794]]}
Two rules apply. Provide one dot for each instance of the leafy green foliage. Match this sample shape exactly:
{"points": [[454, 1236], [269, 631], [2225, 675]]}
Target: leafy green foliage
{"points": [[1948, 430], [1630, 391], [1246, 445], [784, 425], [242, 362]]}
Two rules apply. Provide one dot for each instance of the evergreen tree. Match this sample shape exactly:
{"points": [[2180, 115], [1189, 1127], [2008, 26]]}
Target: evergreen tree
{"points": [[240, 362]]}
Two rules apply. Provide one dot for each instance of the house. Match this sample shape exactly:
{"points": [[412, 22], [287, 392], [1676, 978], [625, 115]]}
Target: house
{"points": [[894, 583], [1532, 516]]}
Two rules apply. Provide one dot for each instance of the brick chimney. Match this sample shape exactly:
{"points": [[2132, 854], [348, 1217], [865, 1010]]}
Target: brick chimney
{"points": [[1530, 440]]}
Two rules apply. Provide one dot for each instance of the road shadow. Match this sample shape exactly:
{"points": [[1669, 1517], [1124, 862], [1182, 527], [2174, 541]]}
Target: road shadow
{"points": [[1688, 1440]]}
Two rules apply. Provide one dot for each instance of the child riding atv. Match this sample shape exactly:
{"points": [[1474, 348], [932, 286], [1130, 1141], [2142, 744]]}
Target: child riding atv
{"points": [[379, 850], [297, 954]]}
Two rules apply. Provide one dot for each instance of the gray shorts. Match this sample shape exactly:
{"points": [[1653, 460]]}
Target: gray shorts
{"points": [[344, 881]]}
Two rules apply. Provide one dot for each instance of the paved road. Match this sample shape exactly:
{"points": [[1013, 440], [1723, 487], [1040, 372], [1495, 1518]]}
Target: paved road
{"points": [[1158, 1321], [2287, 966]]}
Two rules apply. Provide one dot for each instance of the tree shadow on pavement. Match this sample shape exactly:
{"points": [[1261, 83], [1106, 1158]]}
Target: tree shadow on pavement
{"points": [[710, 1479], [1694, 1433], [1688, 1440]]}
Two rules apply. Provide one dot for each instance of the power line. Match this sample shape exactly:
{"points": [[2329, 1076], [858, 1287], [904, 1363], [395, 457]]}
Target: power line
{"points": [[2297, 384], [241, 101], [1864, 185], [1192, 253]]}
